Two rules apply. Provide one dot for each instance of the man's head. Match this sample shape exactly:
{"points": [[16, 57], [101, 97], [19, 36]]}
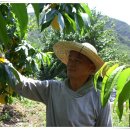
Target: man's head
{"points": [[63, 49], [79, 65]]}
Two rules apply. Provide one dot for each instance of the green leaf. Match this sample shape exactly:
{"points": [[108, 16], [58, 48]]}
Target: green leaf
{"points": [[58, 69], [127, 105], [47, 19], [46, 59], [23, 49], [49, 16], [34, 65], [98, 73], [68, 28], [102, 72], [52, 69], [71, 21], [20, 11], [10, 99], [36, 8], [41, 6], [112, 82], [123, 77], [39, 56], [3, 33], [103, 90], [86, 9], [79, 22], [45, 25], [61, 21], [124, 95]]}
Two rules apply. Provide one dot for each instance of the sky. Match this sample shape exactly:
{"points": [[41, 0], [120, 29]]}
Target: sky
{"points": [[118, 9]]}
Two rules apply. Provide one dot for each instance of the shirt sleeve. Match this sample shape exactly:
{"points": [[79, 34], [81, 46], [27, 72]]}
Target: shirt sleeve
{"points": [[104, 119], [33, 89]]}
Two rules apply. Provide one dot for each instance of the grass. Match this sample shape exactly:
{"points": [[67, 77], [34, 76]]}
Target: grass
{"points": [[124, 121], [27, 113]]}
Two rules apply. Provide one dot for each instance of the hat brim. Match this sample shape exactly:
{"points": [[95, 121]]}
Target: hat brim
{"points": [[62, 49]]}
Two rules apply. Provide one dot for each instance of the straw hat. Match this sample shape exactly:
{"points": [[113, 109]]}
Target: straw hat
{"points": [[62, 49]]}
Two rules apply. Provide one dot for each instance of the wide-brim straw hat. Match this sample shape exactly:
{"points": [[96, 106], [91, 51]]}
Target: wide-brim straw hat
{"points": [[62, 49]]}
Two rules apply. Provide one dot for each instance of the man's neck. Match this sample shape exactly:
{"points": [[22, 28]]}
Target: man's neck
{"points": [[76, 84]]}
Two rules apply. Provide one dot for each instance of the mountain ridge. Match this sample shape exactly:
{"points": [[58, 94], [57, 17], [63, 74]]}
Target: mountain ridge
{"points": [[122, 30]]}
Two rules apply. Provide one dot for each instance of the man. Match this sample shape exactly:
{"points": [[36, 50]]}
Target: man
{"points": [[73, 102]]}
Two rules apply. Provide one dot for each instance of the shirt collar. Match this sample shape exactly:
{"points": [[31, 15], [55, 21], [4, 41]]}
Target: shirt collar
{"points": [[83, 90]]}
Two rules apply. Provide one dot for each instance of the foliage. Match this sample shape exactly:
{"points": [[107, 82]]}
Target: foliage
{"points": [[96, 34], [124, 121], [113, 52], [66, 17], [27, 59], [115, 75], [18, 10], [24, 57], [19, 58], [7, 78], [52, 68]]}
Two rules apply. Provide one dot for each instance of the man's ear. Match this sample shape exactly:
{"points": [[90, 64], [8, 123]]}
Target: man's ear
{"points": [[93, 68]]}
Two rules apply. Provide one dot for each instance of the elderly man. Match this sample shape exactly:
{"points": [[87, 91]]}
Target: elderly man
{"points": [[73, 102]]}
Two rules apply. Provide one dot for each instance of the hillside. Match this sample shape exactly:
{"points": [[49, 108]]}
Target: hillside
{"points": [[123, 31]]}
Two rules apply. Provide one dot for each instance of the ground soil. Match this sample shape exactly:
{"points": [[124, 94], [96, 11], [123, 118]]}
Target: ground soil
{"points": [[25, 113]]}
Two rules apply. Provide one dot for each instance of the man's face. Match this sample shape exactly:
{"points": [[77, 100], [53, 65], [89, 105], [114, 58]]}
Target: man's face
{"points": [[79, 65]]}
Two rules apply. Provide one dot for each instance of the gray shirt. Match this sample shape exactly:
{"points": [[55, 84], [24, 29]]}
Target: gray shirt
{"points": [[65, 107]]}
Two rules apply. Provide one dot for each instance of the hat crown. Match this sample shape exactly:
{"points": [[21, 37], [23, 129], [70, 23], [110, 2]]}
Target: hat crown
{"points": [[91, 47]]}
